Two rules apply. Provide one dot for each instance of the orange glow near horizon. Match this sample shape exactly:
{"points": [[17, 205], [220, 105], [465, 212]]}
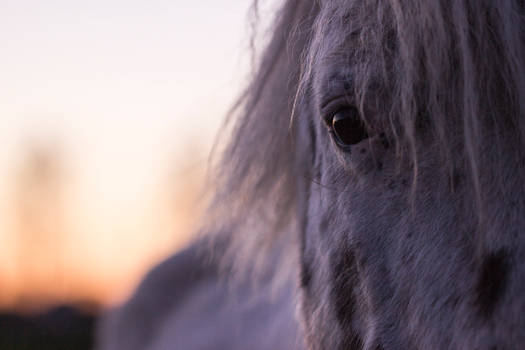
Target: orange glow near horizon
{"points": [[57, 249]]}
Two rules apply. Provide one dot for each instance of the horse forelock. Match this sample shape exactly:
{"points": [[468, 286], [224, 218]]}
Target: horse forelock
{"points": [[452, 70], [449, 70]]}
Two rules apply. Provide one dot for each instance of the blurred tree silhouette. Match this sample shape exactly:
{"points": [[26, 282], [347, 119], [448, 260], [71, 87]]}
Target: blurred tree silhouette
{"points": [[61, 328], [39, 223]]}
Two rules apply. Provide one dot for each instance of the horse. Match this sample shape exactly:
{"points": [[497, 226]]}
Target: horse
{"points": [[371, 195]]}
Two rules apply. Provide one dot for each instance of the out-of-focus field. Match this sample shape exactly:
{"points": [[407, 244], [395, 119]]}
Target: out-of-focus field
{"points": [[108, 110], [63, 245]]}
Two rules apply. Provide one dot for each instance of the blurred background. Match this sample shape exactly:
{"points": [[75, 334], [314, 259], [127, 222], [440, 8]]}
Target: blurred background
{"points": [[108, 110]]}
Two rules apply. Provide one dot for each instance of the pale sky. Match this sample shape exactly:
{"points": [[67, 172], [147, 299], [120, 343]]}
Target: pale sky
{"points": [[126, 88], [118, 78]]}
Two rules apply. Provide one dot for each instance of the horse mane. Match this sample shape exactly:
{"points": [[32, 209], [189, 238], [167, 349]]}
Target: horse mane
{"points": [[453, 69], [253, 206]]}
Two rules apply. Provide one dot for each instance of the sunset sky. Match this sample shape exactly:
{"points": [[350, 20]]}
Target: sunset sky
{"points": [[127, 96]]}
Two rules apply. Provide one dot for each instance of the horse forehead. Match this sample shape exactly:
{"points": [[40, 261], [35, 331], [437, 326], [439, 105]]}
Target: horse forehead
{"points": [[331, 54], [334, 25], [337, 37], [337, 57]]}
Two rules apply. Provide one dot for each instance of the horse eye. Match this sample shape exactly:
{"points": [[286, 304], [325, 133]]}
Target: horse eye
{"points": [[348, 128]]}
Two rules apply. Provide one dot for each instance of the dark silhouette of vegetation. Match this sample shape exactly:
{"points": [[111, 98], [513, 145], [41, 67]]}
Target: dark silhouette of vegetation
{"points": [[60, 328]]}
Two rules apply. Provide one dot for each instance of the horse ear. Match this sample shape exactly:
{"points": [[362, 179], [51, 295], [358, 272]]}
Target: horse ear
{"points": [[255, 189]]}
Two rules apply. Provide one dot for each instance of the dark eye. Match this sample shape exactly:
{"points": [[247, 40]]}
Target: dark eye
{"points": [[348, 127]]}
